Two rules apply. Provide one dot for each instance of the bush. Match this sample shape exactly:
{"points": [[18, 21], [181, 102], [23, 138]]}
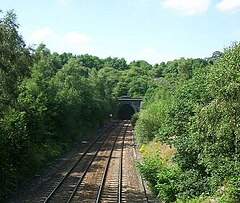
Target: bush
{"points": [[230, 192], [167, 183], [150, 120], [163, 178], [134, 119], [192, 184]]}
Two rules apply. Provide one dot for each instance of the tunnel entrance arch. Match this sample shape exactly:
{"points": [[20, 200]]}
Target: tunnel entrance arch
{"points": [[125, 112], [126, 107]]}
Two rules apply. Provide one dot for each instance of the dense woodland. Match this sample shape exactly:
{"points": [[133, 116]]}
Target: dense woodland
{"points": [[188, 128]]}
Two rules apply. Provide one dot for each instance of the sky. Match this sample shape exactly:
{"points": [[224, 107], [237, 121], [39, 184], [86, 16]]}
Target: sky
{"points": [[151, 30]]}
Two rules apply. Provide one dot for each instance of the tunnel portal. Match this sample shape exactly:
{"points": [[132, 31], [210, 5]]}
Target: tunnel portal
{"points": [[125, 112], [126, 107]]}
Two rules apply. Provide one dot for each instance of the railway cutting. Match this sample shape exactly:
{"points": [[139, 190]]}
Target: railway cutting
{"points": [[101, 169]]}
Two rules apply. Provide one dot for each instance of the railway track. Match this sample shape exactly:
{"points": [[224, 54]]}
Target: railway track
{"points": [[101, 173], [66, 188]]}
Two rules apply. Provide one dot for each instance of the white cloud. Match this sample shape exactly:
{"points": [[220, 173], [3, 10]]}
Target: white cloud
{"points": [[63, 2], [188, 7], [71, 41], [154, 56], [238, 33], [228, 5], [144, 0], [74, 37], [42, 33]]}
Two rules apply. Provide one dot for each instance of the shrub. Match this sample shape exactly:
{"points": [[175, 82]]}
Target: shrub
{"points": [[230, 193], [162, 177]]}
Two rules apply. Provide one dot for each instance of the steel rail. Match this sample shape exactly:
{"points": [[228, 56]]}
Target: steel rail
{"points": [[74, 165], [106, 169], [100, 190], [144, 190], [85, 172], [121, 169], [146, 199]]}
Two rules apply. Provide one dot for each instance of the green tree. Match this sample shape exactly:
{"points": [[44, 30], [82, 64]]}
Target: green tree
{"points": [[217, 123], [116, 63], [14, 59]]}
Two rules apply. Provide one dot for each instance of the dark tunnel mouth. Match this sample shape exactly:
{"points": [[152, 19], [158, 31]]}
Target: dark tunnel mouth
{"points": [[125, 112]]}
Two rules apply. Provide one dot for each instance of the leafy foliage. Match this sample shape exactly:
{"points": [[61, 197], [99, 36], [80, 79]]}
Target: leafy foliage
{"points": [[201, 121], [163, 178], [48, 100]]}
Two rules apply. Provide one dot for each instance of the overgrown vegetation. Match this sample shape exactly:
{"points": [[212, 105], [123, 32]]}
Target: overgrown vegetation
{"points": [[197, 112], [48, 100], [189, 123]]}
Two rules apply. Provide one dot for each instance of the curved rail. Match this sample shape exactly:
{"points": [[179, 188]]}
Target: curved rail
{"points": [[74, 165]]}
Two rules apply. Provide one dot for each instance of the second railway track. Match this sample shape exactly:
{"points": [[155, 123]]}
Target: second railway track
{"points": [[104, 172]]}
